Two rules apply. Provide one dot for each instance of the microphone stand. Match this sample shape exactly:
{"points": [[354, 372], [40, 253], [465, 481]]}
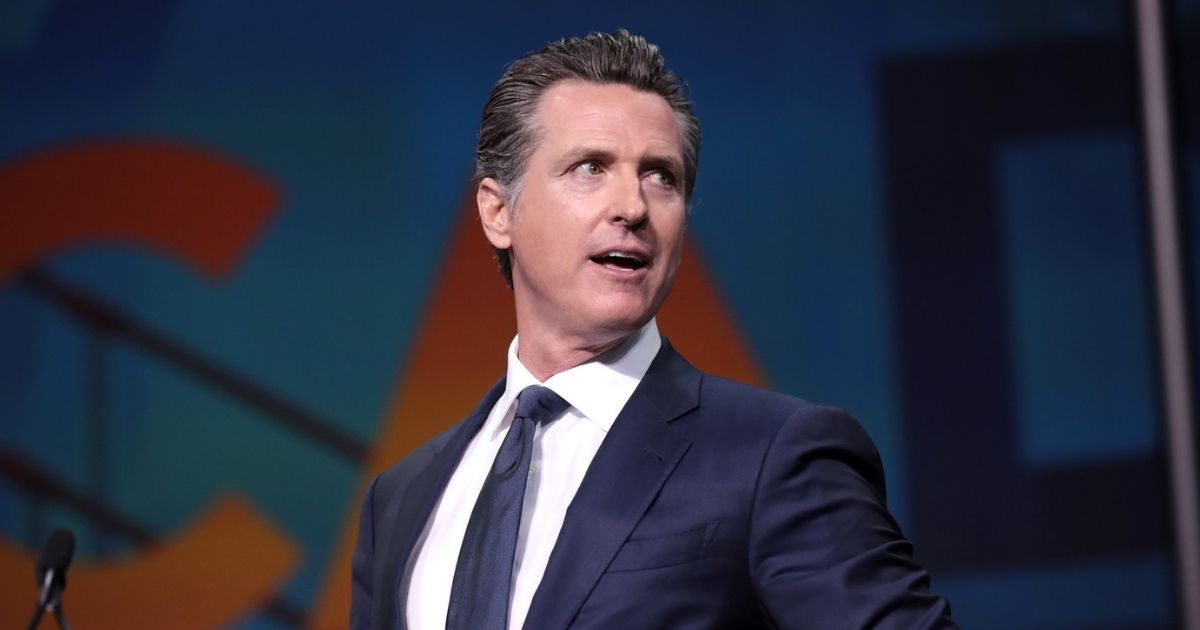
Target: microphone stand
{"points": [[50, 599], [59, 616], [37, 617]]}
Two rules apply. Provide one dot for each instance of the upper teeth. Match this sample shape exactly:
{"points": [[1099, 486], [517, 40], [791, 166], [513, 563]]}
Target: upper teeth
{"points": [[622, 255]]}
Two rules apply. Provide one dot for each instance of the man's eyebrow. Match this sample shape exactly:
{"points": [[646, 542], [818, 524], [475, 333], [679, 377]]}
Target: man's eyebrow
{"points": [[580, 154]]}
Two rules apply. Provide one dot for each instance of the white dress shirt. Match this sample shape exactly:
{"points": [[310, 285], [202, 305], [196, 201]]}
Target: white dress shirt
{"points": [[562, 452]]}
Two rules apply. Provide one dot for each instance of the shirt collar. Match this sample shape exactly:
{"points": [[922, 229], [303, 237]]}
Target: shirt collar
{"points": [[599, 388]]}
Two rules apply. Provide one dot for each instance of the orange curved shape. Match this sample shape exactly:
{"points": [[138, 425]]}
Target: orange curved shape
{"points": [[221, 568], [182, 201], [460, 351], [205, 210]]}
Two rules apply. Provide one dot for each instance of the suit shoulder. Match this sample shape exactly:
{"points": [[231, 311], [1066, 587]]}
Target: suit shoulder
{"points": [[789, 429], [740, 398], [751, 406], [399, 474], [416, 461]]}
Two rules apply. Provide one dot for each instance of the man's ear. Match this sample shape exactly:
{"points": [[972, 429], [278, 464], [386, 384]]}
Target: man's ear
{"points": [[494, 213]]}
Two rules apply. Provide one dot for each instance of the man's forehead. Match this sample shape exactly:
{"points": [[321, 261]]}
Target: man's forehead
{"points": [[574, 110]]}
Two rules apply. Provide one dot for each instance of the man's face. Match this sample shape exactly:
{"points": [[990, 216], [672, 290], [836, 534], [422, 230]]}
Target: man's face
{"points": [[598, 224]]}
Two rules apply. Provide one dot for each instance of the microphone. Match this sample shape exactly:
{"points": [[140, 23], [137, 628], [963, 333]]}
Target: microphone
{"points": [[51, 572]]}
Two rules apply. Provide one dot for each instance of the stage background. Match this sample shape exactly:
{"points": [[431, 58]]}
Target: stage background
{"points": [[238, 274]]}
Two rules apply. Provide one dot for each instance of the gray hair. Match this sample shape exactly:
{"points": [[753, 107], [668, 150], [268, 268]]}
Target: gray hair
{"points": [[508, 134]]}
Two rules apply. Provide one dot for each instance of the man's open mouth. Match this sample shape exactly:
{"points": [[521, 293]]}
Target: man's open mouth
{"points": [[620, 260]]}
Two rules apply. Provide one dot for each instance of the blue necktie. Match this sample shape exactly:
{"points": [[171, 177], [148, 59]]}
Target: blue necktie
{"points": [[483, 577]]}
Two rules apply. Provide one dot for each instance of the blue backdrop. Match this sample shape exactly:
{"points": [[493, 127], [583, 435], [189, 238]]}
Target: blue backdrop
{"points": [[929, 213]]}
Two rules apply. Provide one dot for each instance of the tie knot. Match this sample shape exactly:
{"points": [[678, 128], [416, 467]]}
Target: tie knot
{"points": [[540, 404]]}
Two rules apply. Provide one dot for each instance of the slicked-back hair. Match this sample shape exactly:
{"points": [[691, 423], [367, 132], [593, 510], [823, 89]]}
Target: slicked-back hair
{"points": [[508, 133]]}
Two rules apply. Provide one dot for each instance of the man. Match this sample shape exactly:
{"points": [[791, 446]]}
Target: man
{"points": [[605, 482]]}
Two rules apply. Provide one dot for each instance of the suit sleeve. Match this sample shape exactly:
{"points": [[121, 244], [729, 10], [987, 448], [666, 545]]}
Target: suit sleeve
{"points": [[824, 551], [362, 564]]}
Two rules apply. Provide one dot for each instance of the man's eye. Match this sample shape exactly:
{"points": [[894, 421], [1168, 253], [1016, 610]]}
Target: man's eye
{"points": [[663, 178], [587, 168]]}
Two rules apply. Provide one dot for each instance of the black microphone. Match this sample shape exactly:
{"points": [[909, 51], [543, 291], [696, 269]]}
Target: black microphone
{"points": [[51, 572]]}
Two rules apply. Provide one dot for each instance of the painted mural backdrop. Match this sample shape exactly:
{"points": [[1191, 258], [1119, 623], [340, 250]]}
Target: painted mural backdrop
{"points": [[239, 275]]}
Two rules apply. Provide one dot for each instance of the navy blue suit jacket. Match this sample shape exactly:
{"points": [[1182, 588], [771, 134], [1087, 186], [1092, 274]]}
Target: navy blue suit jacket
{"points": [[710, 504]]}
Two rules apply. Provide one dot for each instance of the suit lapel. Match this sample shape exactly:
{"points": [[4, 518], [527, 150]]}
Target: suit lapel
{"points": [[636, 458], [419, 498]]}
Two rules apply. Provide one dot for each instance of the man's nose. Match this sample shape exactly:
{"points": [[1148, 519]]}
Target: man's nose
{"points": [[628, 204]]}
